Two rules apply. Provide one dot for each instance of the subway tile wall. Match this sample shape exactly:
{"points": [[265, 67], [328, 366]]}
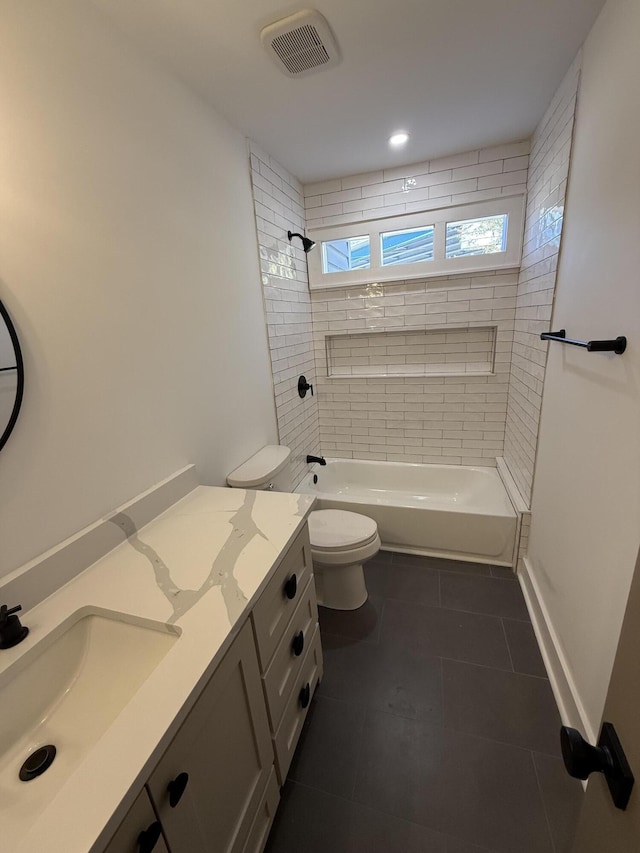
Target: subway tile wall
{"points": [[447, 419], [279, 208], [454, 419], [546, 185], [461, 179]]}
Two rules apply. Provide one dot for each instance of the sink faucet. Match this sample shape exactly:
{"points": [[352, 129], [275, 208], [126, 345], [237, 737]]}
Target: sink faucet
{"points": [[319, 459], [11, 631]]}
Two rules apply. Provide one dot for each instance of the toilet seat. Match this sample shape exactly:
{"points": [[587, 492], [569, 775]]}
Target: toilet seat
{"points": [[336, 530]]}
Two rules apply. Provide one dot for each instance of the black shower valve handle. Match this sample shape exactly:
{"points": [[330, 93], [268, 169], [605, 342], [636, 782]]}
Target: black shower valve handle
{"points": [[304, 386]]}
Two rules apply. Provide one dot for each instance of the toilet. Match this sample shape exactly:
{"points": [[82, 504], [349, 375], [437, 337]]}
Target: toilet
{"points": [[341, 541]]}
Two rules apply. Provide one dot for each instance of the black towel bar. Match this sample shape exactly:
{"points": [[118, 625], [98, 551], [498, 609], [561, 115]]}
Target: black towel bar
{"points": [[618, 345]]}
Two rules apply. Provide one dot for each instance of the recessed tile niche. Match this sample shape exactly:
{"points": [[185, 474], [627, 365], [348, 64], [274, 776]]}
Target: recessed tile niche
{"points": [[431, 352]]}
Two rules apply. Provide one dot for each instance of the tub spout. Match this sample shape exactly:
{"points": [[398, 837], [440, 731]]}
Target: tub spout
{"points": [[319, 459]]}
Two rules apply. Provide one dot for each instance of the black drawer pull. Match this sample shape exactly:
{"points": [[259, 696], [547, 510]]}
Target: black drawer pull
{"points": [[291, 587], [176, 789], [305, 695], [298, 644], [148, 838]]}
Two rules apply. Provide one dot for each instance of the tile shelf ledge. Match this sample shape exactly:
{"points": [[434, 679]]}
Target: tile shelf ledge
{"points": [[332, 376]]}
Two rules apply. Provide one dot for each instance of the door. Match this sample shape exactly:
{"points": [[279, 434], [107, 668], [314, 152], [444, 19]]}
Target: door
{"points": [[602, 827]]}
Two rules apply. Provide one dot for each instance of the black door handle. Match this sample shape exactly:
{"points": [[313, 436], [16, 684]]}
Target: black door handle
{"points": [[176, 788], [581, 759], [291, 587], [298, 644], [148, 838], [305, 695]]}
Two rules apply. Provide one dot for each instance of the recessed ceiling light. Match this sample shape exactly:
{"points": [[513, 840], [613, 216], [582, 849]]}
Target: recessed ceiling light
{"points": [[398, 139]]}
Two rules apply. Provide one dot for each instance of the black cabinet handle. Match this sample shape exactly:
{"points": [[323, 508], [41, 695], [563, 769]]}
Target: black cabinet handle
{"points": [[291, 587], [176, 789], [298, 644], [305, 695], [148, 838]]}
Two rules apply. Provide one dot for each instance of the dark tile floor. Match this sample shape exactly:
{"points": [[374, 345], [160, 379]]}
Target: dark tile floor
{"points": [[434, 729]]}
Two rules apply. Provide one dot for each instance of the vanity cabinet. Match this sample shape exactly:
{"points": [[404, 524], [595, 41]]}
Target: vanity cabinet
{"points": [[217, 787], [216, 779]]}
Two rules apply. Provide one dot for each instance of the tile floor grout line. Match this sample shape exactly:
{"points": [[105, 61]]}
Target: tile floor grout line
{"points": [[457, 610], [446, 836], [444, 712], [544, 805], [359, 755], [483, 738], [497, 668], [506, 639]]}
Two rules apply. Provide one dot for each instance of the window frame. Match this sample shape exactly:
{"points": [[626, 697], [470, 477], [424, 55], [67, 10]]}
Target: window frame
{"points": [[513, 206]]}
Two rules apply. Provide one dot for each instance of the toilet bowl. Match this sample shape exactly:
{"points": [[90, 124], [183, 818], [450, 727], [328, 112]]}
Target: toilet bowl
{"points": [[340, 541]]}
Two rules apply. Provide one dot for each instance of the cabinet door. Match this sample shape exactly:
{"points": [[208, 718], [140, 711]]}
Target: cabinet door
{"points": [[211, 781], [139, 832]]}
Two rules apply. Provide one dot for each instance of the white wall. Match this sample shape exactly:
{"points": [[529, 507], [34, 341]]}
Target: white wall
{"points": [[287, 303], [128, 263], [586, 500]]}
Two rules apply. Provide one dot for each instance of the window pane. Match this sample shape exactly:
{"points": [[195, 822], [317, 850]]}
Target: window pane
{"points": [[343, 255], [477, 236], [408, 246]]}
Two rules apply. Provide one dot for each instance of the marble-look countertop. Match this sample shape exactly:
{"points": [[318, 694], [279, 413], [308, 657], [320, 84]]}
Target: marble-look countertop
{"points": [[200, 566]]}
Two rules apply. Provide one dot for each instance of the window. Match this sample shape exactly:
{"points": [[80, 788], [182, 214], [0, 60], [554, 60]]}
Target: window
{"points": [[460, 239], [408, 246], [343, 255], [484, 236]]}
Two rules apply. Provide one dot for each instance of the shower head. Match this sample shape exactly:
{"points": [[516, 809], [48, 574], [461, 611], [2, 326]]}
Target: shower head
{"points": [[307, 244]]}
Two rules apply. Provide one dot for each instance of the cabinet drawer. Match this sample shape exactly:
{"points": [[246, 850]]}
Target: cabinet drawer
{"points": [[264, 818], [285, 665], [286, 738], [278, 602]]}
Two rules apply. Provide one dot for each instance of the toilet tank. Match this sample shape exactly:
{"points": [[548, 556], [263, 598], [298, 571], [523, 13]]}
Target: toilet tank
{"points": [[266, 469]]}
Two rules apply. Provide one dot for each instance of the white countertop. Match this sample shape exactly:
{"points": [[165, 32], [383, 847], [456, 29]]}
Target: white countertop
{"points": [[200, 566]]}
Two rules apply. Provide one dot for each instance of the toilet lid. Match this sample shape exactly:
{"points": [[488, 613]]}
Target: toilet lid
{"points": [[331, 529]]}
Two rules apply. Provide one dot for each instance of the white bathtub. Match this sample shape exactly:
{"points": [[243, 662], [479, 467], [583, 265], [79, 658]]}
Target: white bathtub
{"points": [[452, 511]]}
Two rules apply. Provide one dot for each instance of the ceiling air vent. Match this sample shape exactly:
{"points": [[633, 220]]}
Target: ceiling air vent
{"points": [[301, 43]]}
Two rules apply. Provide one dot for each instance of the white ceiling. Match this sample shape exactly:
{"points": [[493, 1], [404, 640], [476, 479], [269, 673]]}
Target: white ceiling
{"points": [[457, 74]]}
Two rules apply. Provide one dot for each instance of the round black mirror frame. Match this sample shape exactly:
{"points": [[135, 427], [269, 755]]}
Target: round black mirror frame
{"points": [[20, 370]]}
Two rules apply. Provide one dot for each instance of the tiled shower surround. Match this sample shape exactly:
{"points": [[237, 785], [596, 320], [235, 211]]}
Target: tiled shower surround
{"points": [[278, 207], [467, 419], [546, 190], [456, 419]]}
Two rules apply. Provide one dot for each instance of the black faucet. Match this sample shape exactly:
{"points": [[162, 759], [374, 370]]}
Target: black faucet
{"points": [[11, 631], [319, 459]]}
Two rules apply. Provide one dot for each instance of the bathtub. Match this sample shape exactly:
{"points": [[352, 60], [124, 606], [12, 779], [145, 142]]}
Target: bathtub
{"points": [[450, 511]]}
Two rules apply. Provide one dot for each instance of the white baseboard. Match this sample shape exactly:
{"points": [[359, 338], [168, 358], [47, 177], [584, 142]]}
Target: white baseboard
{"points": [[570, 706]]}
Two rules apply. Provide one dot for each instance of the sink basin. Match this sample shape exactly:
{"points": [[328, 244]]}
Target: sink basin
{"points": [[66, 691]]}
